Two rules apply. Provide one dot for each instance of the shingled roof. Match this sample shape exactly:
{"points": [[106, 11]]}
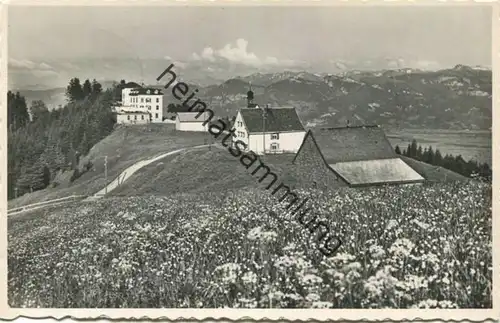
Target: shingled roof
{"points": [[353, 144], [379, 171], [361, 156], [277, 120]]}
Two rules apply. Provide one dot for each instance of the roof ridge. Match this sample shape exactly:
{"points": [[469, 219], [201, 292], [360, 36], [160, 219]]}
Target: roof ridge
{"points": [[351, 127]]}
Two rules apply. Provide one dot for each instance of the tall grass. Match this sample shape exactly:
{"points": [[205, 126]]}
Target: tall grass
{"points": [[424, 246]]}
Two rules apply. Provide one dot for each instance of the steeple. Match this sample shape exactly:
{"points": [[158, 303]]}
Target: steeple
{"points": [[250, 103]]}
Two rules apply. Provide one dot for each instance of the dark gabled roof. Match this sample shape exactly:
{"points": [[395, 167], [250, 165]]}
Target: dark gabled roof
{"points": [[353, 144], [361, 156], [146, 91], [276, 120]]}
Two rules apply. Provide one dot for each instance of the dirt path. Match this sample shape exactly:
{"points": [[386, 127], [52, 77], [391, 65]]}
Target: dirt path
{"points": [[111, 186], [132, 169]]}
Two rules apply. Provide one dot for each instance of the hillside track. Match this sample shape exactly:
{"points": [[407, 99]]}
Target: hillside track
{"points": [[110, 187]]}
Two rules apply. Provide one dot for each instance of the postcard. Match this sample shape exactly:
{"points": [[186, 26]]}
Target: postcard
{"points": [[216, 160]]}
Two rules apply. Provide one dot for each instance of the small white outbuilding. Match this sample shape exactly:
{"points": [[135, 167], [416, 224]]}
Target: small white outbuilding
{"points": [[192, 121]]}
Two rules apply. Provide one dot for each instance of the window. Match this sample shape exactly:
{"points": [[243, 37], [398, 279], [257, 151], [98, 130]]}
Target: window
{"points": [[275, 136], [149, 107], [156, 115], [128, 117], [275, 146], [157, 100], [142, 100], [142, 117], [135, 117], [148, 100], [157, 107]]}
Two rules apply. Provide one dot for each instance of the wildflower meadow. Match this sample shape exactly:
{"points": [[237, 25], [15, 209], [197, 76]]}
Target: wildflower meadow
{"points": [[423, 246]]}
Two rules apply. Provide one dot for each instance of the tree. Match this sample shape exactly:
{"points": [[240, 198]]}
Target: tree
{"points": [[35, 177], [74, 91], [398, 150], [419, 155], [430, 156], [17, 111], [413, 148], [96, 88], [87, 88], [39, 111], [408, 151], [438, 158], [425, 155]]}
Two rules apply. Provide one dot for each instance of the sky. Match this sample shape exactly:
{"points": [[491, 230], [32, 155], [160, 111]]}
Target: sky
{"points": [[253, 38]]}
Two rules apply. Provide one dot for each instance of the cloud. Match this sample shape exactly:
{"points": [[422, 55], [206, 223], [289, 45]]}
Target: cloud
{"points": [[70, 66], [28, 65], [44, 73], [24, 63], [239, 54], [44, 66], [181, 65]]}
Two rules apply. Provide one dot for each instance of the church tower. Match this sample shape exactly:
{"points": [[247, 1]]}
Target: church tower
{"points": [[250, 103]]}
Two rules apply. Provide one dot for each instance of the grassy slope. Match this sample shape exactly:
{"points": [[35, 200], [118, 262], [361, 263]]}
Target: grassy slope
{"points": [[124, 147], [204, 170], [216, 169], [422, 242], [433, 173]]}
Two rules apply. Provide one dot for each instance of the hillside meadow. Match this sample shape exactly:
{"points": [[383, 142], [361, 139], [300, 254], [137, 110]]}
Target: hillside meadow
{"points": [[128, 145], [124, 147], [425, 246]]}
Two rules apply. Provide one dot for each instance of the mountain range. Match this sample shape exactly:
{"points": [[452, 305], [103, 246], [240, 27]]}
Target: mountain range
{"points": [[453, 98]]}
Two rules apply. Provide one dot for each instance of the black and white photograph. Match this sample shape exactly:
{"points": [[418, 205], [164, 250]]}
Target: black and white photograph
{"points": [[249, 156]]}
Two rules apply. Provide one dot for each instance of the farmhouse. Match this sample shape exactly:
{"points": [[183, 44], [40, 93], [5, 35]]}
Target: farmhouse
{"points": [[140, 104], [351, 156], [268, 130], [192, 121]]}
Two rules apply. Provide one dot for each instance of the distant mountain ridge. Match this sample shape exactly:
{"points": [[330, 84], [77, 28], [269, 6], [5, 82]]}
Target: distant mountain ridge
{"points": [[454, 98]]}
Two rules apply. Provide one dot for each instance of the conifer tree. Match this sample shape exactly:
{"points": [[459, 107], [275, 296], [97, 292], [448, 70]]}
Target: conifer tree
{"points": [[74, 91], [419, 155], [438, 158], [87, 88], [96, 88], [430, 156], [413, 147]]}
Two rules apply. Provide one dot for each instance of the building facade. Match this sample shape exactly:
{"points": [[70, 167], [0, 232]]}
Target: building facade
{"points": [[137, 102], [269, 130], [188, 121], [132, 117]]}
